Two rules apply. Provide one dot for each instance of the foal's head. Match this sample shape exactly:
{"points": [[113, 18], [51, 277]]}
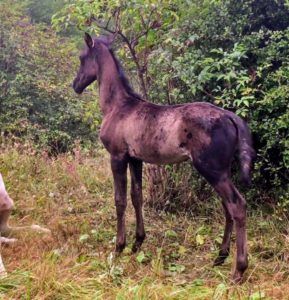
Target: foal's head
{"points": [[89, 69]]}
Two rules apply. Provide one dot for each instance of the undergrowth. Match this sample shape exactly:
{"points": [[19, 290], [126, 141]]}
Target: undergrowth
{"points": [[73, 196]]}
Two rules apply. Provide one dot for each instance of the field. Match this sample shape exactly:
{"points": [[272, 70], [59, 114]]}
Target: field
{"points": [[73, 196]]}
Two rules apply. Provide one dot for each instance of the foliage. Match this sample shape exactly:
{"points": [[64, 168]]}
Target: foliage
{"points": [[231, 53], [36, 74], [42, 11], [138, 24], [240, 65]]}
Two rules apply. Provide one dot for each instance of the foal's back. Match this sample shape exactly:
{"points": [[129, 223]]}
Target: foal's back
{"points": [[165, 134]]}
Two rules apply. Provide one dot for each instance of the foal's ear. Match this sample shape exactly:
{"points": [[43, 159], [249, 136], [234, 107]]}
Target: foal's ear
{"points": [[88, 40], [111, 38]]}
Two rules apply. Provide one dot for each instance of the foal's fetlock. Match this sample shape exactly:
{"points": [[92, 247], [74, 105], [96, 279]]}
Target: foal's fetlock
{"points": [[237, 277], [138, 242], [119, 247], [240, 269], [221, 258]]}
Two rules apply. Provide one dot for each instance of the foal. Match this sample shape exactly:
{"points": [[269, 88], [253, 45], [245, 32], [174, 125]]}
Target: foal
{"points": [[6, 206], [135, 131]]}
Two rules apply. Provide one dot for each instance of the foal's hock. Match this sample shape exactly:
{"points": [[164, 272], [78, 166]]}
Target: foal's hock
{"points": [[135, 131]]}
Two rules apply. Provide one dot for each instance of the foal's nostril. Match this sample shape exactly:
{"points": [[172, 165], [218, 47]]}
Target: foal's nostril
{"points": [[74, 85]]}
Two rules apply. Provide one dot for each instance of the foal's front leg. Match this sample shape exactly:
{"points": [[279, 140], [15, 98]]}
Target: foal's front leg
{"points": [[137, 201], [119, 171]]}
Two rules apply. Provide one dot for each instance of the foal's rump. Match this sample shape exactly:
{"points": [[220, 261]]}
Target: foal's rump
{"points": [[219, 133]]}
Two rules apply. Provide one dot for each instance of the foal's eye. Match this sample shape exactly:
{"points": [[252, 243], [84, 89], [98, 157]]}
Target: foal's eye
{"points": [[81, 60]]}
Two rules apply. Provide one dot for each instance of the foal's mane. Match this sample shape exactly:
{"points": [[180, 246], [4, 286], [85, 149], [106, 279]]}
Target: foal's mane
{"points": [[122, 76]]}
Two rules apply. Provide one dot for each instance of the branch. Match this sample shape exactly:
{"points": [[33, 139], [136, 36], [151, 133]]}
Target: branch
{"points": [[131, 47], [104, 27], [209, 94], [135, 59]]}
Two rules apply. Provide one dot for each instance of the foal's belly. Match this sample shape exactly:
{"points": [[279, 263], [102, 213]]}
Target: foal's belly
{"points": [[162, 160], [159, 155], [158, 141]]}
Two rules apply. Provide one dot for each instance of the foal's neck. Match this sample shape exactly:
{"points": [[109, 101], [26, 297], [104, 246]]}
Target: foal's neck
{"points": [[111, 89]]}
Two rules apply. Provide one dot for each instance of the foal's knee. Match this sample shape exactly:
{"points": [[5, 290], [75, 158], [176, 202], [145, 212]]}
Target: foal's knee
{"points": [[136, 191], [6, 203], [136, 196], [120, 208]]}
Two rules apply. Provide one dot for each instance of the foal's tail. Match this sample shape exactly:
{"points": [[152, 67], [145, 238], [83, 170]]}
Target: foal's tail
{"points": [[246, 151]]}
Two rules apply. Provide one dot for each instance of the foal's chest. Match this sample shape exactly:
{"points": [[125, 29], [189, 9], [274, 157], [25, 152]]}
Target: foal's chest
{"points": [[111, 136]]}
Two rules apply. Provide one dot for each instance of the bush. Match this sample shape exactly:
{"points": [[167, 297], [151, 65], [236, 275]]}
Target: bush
{"points": [[231, 53], [36, 98]]}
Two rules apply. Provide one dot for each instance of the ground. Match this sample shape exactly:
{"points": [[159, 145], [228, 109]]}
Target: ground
{"points": [[73, 196]]}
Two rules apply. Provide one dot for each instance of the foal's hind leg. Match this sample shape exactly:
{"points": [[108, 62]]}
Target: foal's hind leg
{"points": [[225, 246], [119, 170], [137, 201], [236, 206], [235, 209]]}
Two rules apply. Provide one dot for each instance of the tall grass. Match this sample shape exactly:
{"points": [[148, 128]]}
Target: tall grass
{"points": [[72, 195]]}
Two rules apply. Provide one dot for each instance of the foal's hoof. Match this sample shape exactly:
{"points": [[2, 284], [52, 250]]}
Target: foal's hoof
{"points": [[136, 246], [237, 277], [119, 248], [241, 267], [221, 258], [138, 242], [219, 261]]}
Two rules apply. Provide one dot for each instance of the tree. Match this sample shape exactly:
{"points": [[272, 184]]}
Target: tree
{"points": [[137, 23]]}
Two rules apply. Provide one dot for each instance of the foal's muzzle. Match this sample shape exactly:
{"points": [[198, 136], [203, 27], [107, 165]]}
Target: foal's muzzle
{"points": [[80, 83], [76, 86]]}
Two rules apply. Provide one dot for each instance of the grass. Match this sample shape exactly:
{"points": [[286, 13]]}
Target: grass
{"points": [[73, 197]]}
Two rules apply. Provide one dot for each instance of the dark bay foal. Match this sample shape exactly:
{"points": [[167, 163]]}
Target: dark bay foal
{"points": [[135, 131]]}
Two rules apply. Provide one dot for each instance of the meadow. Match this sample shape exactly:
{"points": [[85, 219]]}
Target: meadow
{"points": [[73, 196]]}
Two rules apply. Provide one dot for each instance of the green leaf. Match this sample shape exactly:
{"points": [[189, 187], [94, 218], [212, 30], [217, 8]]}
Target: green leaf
{"points": [[84, 237], [200, 239], [176, 268], [182, 250], [170, 234], [141, 257], [257, 296]]}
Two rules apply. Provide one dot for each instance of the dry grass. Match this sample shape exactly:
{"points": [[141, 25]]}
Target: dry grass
{"points": [[73, 197]]}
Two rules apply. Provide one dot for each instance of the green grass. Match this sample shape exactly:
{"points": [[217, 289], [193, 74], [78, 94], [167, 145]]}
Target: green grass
{"points": [[73, 197]]}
